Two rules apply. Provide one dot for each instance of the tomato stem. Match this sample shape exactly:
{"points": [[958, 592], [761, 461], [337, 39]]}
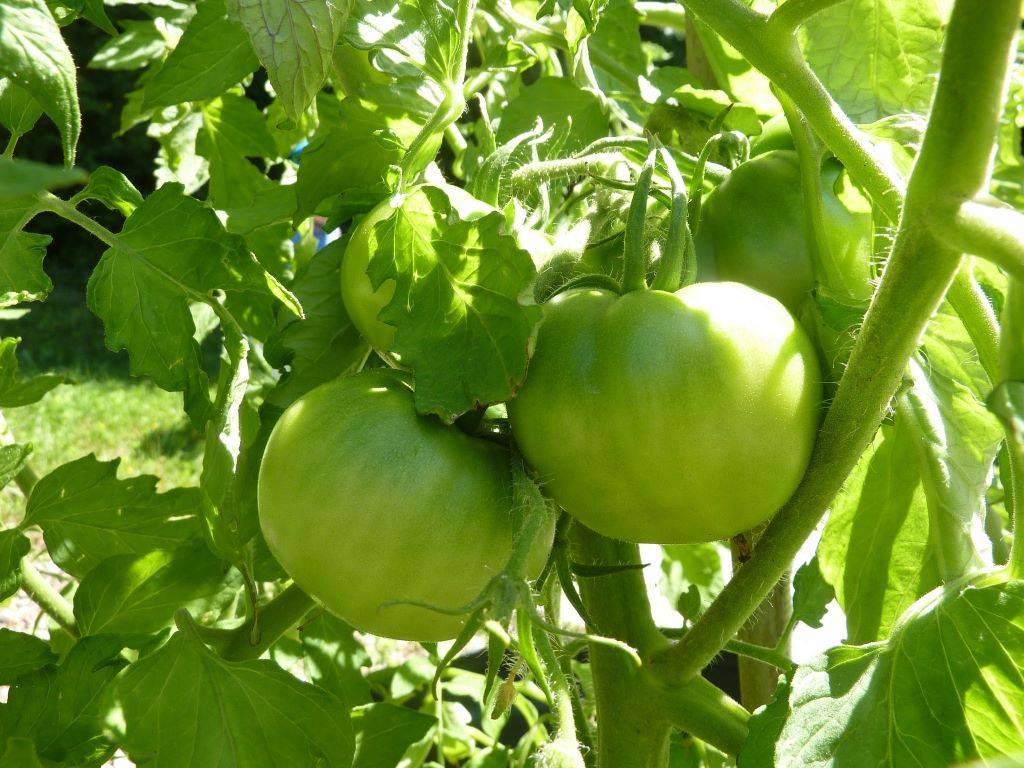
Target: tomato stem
{"points": [[1012, 358], [634, 270]]}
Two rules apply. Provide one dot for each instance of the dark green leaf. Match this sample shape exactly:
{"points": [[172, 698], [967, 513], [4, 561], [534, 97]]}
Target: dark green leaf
{"points": [[13, 546], [21, 654]]}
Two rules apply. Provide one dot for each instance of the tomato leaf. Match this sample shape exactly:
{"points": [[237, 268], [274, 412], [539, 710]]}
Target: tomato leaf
{"points": [[294, 42], [945, 646], [63, 708], [33, 54], [250, 714], [212, 55], [88, 515], [13, 546], [461, 324], [134, 596], [20, 654]]}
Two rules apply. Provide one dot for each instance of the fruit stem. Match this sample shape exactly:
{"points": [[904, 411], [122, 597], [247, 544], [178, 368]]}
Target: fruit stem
{"points": [[634, 274], [678, 262]]}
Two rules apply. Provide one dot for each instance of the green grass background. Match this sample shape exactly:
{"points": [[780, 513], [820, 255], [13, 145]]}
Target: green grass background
{"points": [[102, 409]]}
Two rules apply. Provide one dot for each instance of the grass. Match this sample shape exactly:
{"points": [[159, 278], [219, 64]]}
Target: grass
{"points": [[102, 410]]}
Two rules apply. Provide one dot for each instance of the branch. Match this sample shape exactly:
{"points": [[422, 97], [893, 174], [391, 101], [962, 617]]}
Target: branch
{"points": [[995, 233], [667, 15], [792, 13], [953, 162]]}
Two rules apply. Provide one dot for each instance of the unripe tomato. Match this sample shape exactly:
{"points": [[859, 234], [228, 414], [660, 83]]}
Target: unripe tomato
{"points": [[669, 417], [365, 502], [775, 134], [754, 230], [362, 302]]}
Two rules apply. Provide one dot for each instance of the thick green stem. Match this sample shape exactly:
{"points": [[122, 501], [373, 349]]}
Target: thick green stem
{"points": [[635, 709], [792, 13], [276, 618], [47, 598], [1012, 358], [532, 175], [953, 162], [993, 232]]}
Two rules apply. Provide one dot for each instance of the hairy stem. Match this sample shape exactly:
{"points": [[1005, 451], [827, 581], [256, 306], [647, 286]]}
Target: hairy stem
{"points": [[52, 203], [792, 13], [953, 162], [993, 232]]}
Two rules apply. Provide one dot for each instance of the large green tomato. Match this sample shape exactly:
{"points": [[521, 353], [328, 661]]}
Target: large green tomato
{"points": [[362, 302], [754, 230], [669, 417], [365, 502]]}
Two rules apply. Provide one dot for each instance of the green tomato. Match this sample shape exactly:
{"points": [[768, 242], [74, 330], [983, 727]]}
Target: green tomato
{"points": [[754, 230], [775, 134], [365, 502], [669, 417], [364, 303]]}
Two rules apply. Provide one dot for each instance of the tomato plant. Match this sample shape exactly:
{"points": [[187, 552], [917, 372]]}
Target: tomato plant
{"points": [[506, 384]]}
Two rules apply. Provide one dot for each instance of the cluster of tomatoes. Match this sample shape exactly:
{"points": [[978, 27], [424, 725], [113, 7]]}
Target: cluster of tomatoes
{"points": [[649, 416]]}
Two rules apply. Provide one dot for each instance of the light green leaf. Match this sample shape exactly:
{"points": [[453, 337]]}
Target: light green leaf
{"points": [[139, 44], [422, 35], [18, 110], [21, 254], [227, 715], [88, 515], [15, 391], [13, 547], [811, 594], [212, 55], [460, 324], [137, 595], [733, 73], [877, 59], [112, 188], [334, 658], [913, 506], [693, 569], [945, 688], [294, 40], [390, 735], [34, 55]]}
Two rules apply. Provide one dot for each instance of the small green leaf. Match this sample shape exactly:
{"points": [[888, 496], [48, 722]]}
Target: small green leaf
{"points": [[111, 188], [294, 42], [811, 594], [460, 324], [18, 110], [63, 708], [390, 735], [16, 391], [140, 44]]}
